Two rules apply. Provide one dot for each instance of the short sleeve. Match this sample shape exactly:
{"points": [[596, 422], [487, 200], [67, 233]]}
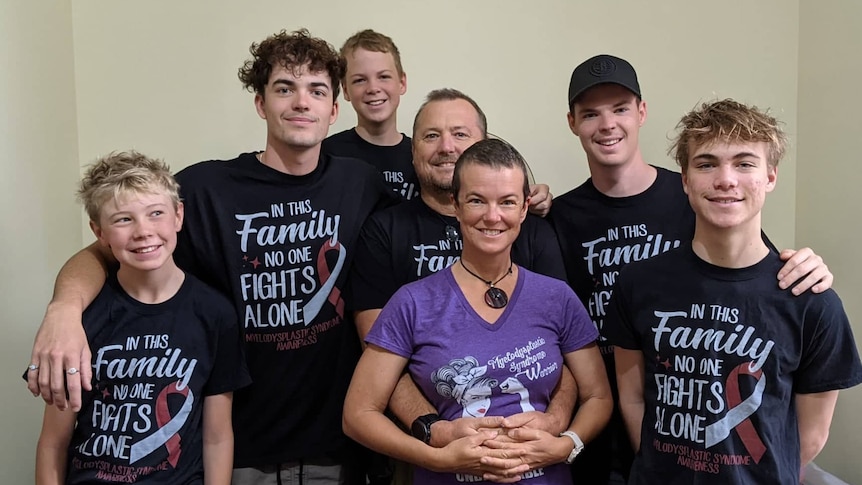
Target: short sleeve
{"points": [[393, 329], [371, 281], [229, 371], [829, 360], [618, 326]]}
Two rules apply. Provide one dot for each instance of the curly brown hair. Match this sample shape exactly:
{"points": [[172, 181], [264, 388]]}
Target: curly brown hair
{"points": [[374, 42], [731, 121], [293, 51]]}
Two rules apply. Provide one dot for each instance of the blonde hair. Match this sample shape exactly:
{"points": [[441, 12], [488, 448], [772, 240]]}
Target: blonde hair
{"points": [[730, 121], [119, 173], [374, 42]]}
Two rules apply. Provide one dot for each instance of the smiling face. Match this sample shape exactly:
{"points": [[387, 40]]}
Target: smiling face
{"points": [[373, 85], [727, 183], [140, 229], [607, 119], [298, 107], [443, 130], [490, 206]]}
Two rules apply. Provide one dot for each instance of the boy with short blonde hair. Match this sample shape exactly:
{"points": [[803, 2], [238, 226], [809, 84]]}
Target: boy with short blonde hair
{"points": [[374, 81], [166, 348]]}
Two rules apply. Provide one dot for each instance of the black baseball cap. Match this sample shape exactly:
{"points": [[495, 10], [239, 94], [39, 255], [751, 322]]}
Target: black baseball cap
{"points": [[602, 69]]}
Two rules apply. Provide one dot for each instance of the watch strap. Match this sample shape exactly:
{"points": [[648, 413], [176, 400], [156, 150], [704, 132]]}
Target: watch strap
{"points": [[579, 445]]}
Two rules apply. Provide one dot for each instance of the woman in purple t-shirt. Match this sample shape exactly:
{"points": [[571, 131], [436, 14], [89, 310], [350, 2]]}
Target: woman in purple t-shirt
{"points": [[484, 338]]}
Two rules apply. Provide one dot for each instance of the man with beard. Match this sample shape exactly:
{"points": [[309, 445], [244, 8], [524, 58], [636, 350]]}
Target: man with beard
{"points": [[420, 237]]}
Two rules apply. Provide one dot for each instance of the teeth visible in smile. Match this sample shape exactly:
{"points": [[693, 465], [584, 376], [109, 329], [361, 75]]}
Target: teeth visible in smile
{"points": [[608, 143], [146, 250], [377, 103], [491, 232]]}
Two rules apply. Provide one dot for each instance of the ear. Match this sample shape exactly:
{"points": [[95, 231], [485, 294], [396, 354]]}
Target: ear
{"points": [[258, 105], [771, 177], [642, 113], [344, 90], [181, 214], [684, 182], [334, 115], [524, 209], [571, 119], [457, 206], [403, 83], [100, 235]]}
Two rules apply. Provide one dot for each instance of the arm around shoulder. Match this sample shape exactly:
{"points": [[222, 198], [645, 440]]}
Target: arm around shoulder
{"points": [[61, 343]]}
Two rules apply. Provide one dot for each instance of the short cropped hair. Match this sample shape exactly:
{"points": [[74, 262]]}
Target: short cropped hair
{"points": [[449, 94], [493, 153], [374, 42], [293, 51], [727, 121], [121, 173]]}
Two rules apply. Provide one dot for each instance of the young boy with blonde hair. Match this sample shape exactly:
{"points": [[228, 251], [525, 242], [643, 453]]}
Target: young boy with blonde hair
{"points": [[723, 376], [374, 82], [166, 348]]}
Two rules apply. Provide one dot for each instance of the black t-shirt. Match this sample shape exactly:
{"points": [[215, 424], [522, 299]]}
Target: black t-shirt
{"points": [[394, 162], [153, 366], [282, 246], [725, 350], [598, 236], [407, 242]]}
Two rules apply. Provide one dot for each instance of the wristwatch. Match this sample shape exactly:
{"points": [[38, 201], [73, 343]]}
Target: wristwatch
{"points": [[579, 445], [421, 428]]}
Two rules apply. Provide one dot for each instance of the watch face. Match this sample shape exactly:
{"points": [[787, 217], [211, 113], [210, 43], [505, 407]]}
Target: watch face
{"points": [[421, 431]]}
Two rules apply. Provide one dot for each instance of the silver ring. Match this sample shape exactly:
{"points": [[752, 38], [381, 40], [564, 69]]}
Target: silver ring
{"points": [[71, 371], [32, 367]]}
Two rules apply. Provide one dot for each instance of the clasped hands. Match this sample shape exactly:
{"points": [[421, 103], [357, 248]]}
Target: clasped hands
{"points": [[499, 449]]}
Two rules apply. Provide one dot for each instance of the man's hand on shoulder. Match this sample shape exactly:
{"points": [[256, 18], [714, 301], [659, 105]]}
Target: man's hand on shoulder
{"points": [[540, 199]]}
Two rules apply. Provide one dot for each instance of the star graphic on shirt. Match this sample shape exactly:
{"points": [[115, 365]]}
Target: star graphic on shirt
{"points": [[666, 363], [106, 393], [245, 257], [255, 262]]}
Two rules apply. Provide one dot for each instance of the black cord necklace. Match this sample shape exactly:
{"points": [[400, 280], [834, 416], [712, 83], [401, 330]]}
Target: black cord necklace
{"points": [[494, 297]]}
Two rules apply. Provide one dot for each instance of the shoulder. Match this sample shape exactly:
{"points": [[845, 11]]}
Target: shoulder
{"points": [[206, 300], [349, 167], [209, 171], [545, 286]]}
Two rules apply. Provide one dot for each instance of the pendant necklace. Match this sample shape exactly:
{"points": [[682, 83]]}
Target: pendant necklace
{"points": [[494, 297]]}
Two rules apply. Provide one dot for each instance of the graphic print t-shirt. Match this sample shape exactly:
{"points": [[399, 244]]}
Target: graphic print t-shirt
{"points": [[467, 367], [725, 350], [395, 163], [599, 235], [281, 246], [153, 366], [407, 242]]}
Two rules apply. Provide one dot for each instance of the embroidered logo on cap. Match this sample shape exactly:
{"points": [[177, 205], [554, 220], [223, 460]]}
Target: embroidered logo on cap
{"points": [[603, 67]]}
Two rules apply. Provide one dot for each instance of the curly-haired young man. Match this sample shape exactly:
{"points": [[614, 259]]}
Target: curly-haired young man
{"points": [[274, 230]]}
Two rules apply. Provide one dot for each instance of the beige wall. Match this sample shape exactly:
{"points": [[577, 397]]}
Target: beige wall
{"points": [[160, 76], [828, 195], [167, 69], [39, 219]]}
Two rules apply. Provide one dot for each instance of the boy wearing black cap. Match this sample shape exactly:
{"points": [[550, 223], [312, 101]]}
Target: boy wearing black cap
{"points": [[626, 211]]}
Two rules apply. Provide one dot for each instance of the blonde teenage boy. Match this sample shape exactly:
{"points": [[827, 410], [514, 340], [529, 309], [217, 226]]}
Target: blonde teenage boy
{"points": [[166, 348], [723, 376]]}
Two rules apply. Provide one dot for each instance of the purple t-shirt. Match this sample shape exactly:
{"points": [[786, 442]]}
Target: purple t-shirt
{"points": [[468, 367]]}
